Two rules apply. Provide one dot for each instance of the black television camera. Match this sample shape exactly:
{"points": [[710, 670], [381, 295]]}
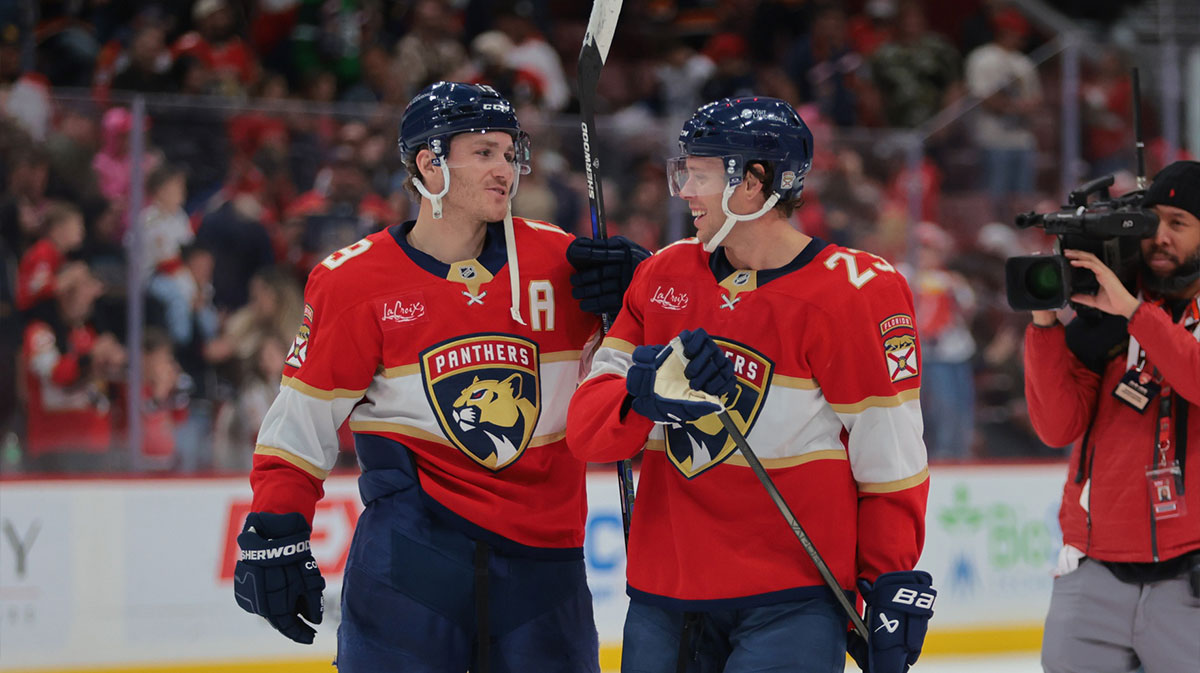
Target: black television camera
{"points": [[1110, 228]]}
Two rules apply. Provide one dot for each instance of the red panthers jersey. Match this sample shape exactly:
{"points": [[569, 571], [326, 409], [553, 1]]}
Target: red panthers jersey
{"points": [[828, 370], [427, 357]]}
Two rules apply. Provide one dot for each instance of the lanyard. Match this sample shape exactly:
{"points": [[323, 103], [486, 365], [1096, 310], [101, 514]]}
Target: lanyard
{"points": [[1137, 361]]}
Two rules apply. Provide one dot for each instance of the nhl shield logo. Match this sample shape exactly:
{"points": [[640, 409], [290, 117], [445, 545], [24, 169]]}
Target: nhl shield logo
{"points": [[486, 394], [704, 443]]}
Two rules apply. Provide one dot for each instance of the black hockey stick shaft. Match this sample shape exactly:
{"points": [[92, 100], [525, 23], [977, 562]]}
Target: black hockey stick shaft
{"points": [[759, 471], [601, 26]]}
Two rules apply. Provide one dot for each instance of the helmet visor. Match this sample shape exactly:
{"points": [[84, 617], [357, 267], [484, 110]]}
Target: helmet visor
{"points": [[701, 176], [486, 150]]}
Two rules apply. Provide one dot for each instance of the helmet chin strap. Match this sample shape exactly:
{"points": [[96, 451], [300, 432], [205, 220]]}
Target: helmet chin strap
{"points": [[435, 199], [510, 243], [732, 218]]}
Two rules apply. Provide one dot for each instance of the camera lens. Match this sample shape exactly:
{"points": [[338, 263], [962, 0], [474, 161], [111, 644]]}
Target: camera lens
{"points": [[1042, 280]]}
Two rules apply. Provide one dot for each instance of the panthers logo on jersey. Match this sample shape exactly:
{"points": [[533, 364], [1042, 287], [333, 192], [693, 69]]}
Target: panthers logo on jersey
{"points": [[485, 391], [704, 443]]}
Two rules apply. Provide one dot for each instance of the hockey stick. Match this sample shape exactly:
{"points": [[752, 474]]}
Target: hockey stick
{"points": [[740, 440], [602, 24]]}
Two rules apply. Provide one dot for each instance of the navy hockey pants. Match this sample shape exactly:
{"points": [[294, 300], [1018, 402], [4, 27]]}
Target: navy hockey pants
{"points": [[804, 636], [409, 603]]}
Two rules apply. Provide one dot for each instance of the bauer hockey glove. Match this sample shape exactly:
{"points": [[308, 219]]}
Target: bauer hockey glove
{"points": [[604, 267], [899, 606], [667, 386], [276, 575]]}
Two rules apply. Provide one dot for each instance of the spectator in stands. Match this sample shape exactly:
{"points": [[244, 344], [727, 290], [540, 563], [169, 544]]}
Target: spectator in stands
{"points": [[69, 370], [113, 165], [164, 404], [734, 75], [10, 53], [872, 28], [914, 70], [24, 202], [38, 271], [533, 54], [239, 420], [430, 51], [339, 210], [1006, 80], [1107, 98], [489, 65], [216, 43], [165, 227], [72, 146], [680, 75], [146, 67], [274, 311], [944, 305], [192, 322], [240, 245], [824, 67]]}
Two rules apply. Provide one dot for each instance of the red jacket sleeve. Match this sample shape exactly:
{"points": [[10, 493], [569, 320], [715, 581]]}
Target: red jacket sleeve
{"points": [[1059, 389], [1171, 347]]}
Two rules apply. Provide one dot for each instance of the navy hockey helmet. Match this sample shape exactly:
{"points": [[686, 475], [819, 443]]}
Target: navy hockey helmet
{"points": [[446, 109], [741, 131], [748, 129]]}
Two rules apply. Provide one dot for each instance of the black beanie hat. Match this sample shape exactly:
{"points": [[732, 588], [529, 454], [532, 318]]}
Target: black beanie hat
{"points": [[1176, 185]]}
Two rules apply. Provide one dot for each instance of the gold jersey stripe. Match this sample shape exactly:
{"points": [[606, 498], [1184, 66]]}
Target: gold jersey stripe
{"points": [[617, 344], [415, 368], [893, 486], [312, 391], [402, 370], [794, 382], [736, 459], [893, 401], [425, 435], [264, 450]]}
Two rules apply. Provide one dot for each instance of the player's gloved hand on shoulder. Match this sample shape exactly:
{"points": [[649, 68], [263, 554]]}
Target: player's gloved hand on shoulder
{"points": [[276, 575], [899, 606], [669, 386], [604, 267]]}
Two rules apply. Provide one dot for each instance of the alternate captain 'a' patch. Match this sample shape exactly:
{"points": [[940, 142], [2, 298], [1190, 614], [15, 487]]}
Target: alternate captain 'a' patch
{"points": [[704, 443], [900, 350], [486, 393]]}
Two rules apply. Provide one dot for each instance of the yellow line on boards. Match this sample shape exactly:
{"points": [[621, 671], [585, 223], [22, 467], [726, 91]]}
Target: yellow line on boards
{"points": [[939, 642]]}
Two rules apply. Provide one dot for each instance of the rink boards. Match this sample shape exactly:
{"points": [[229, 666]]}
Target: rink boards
{"points": [[136, 574]]}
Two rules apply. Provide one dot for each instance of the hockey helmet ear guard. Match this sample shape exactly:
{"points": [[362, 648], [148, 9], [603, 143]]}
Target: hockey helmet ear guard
{"points": [[445, 109], [741, 131]]}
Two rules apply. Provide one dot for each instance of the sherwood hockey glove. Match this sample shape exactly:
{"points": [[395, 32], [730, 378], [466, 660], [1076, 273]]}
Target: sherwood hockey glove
{"points": [[276, 575], [899, 606], [668, 387], [604, 267]]}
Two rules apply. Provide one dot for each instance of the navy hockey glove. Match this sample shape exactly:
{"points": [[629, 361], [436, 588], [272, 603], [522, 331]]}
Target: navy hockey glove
{"points": [[276, 575], [708, 369], [660, 385], [899, 606], [604, 267]]}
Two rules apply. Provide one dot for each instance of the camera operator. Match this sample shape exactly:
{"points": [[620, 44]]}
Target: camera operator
{"points": [[1127, 586]]}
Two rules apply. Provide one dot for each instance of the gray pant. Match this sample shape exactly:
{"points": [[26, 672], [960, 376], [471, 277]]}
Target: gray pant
{"points": [[1099, 624]]}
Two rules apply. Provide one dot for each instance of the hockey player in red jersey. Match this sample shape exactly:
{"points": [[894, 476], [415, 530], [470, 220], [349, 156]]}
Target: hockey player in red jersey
{"points": [[453, 345], [811, 348]]}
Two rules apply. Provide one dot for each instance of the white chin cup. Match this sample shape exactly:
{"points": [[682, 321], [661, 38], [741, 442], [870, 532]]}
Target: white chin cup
{"points": [[435, 199], [732, 218]]}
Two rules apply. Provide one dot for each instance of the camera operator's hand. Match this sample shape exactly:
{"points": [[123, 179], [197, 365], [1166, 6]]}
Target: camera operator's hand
{"points": [[1045, 318], [1112, 297]]}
